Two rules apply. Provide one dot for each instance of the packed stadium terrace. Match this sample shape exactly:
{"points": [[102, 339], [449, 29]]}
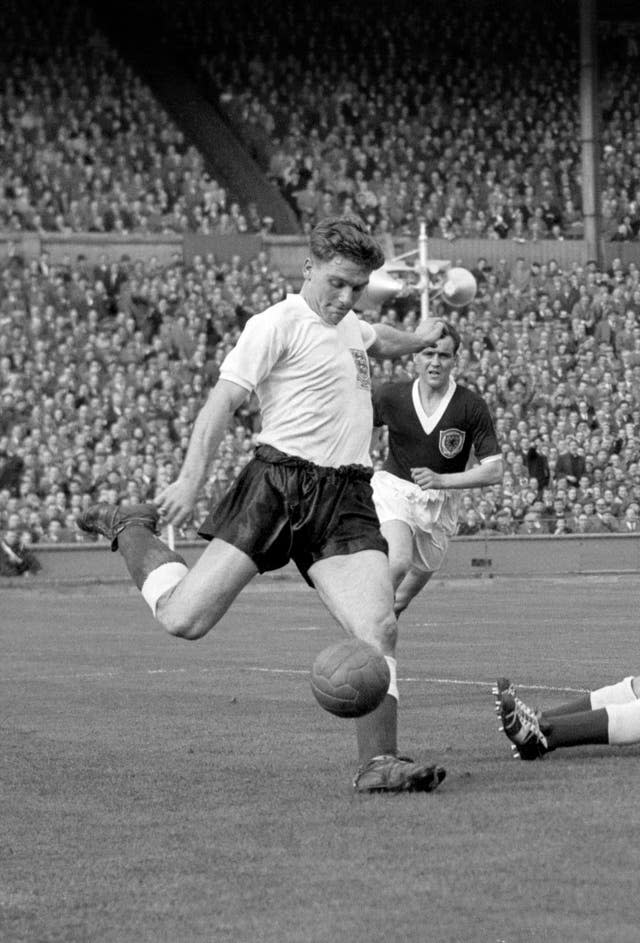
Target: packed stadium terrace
{"points": [[104, 367], [85, 145], [348, 108]]}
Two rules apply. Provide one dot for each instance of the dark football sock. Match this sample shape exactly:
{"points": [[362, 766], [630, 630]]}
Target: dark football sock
{"points": [[377, 732], [571, 730], [580, 704], [144, 552]]}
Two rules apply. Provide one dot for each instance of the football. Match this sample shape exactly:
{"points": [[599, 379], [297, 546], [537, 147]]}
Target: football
{"points": [[349, 678]]}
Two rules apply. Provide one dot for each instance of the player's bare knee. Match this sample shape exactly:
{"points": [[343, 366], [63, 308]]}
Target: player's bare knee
{"points": [[382, 633], [188, 633], [188, 629]]}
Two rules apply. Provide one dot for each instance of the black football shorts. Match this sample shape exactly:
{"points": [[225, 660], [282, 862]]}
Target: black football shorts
{"points": [[283, 508]]}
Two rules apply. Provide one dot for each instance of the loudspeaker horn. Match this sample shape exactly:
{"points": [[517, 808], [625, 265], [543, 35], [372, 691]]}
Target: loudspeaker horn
{"points": [[459, 287], [382, 287]]}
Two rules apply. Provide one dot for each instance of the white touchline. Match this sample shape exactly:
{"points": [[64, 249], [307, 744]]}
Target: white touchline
{"points": [[206, 669], [478, 684]]}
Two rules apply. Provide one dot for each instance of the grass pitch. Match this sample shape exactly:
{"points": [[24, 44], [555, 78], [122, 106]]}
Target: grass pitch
{"points": [[157, 790]]}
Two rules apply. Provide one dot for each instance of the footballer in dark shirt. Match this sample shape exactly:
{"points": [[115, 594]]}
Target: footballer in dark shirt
{"points": [[433, 426]]}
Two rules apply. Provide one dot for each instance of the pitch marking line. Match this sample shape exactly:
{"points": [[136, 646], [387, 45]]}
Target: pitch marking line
{"points": [[121, 673], [460, 681]]}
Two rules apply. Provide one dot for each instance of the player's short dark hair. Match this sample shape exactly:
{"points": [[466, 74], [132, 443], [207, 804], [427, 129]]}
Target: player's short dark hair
{"points": [[448, 330], [347, 236]]}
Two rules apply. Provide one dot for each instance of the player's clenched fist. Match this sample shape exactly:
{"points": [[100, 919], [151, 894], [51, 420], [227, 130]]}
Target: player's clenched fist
{"points": [[427, 478]]}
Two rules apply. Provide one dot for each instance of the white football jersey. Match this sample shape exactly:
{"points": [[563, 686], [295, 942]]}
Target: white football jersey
{"points": [[312, 381]]}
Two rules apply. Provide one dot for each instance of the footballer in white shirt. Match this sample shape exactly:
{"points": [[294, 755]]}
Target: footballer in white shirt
{"points": [[305, 495]]}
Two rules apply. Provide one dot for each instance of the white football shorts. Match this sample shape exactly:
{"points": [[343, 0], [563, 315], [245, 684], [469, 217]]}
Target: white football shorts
{"points": [[431, 514]]}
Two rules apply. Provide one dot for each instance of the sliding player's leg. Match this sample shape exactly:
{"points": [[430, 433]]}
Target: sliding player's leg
{"points": [[607, 715]]}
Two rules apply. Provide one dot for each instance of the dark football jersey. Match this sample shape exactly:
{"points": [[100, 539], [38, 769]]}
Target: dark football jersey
{"points": [[465, 423]]}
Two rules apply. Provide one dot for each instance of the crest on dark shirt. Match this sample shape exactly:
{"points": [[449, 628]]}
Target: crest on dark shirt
{"points": [[362, 368], [451, 442]]}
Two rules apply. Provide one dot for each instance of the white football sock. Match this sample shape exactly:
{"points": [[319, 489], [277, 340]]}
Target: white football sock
{"points": [[620, 693], [624, 722], [393, 681], [160, 581]]}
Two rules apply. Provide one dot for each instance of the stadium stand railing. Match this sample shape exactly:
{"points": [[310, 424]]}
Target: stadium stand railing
{"points": [[287, 253]]}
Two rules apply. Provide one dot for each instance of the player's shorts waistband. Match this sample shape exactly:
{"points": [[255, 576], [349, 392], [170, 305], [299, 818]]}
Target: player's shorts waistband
{"points": [[272, 456]]}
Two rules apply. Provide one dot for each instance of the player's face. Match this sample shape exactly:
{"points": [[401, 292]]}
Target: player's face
{"points": [[435, 363], [332, 288]]}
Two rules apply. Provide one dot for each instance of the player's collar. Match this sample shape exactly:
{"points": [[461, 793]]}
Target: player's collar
{"points": [[429, 423]]}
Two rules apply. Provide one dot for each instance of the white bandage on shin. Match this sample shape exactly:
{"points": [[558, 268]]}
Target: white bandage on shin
{"points": [[160, 581], [620, 693], [393, 681], [624, 722]]}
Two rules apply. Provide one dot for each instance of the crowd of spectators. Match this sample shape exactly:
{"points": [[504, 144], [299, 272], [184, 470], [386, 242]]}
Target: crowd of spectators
{"points": [[103, 368], [85, 145], [102, 371], [400, 118], [466, 118]]}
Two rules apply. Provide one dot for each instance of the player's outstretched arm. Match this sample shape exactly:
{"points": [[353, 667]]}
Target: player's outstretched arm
{"points": [[392, 343], [177, 500]]}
